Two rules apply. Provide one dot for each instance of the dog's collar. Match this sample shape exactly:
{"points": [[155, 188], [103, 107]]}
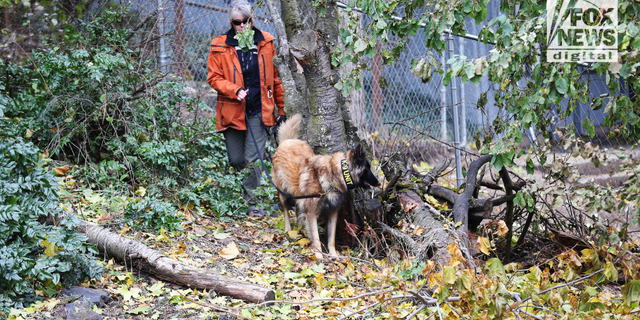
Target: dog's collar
{"points": [[348, 179]]}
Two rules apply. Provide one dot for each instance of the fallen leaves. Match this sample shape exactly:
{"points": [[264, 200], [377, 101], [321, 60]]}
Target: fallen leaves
{"points": [[61, 171], [230, 252], [126, 293]]}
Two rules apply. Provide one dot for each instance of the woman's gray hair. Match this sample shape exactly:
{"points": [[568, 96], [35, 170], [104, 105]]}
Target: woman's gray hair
{"points": [[244, 8]]}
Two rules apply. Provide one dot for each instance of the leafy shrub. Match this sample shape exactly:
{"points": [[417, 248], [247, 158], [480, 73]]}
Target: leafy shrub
{"points": [[107, 174], [95, 97], [90, 89], [153, 214], [34, 255]]}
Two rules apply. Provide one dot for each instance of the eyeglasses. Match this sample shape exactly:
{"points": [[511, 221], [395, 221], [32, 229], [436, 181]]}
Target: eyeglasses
{"points": [[239, 22]]}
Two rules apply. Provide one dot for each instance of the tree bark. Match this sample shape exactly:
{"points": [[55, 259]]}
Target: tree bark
{"points": [[436, 238], [508, 216], [292, 98], [311, 38], [134, 252]]}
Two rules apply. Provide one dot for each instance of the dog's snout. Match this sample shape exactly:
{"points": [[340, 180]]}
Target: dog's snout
{"points": [[370, 179]]}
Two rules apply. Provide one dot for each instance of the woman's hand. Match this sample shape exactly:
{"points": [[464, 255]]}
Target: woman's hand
{"points": [[242, 94]]}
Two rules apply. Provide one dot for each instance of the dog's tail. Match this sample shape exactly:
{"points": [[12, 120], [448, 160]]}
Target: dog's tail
{"points": [[289, 129]]}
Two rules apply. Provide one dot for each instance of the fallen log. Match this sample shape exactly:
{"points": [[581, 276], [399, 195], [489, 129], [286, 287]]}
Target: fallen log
{"points": [[439, 232], [134, 252]]}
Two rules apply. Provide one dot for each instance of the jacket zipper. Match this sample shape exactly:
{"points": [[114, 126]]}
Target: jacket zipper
{"points": [[264, 71]]}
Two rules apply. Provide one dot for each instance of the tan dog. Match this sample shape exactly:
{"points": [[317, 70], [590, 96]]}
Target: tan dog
{"points": [[299, 172]]}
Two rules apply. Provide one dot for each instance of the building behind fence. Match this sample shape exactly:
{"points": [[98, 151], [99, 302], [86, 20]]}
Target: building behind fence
{"points": [[189, 26]]}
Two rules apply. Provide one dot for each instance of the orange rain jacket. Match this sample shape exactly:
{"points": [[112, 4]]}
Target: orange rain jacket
{"points": [[225, 76]]}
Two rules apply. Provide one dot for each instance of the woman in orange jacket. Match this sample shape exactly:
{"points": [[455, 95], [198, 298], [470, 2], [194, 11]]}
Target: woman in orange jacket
{"points": [[248, 89]]}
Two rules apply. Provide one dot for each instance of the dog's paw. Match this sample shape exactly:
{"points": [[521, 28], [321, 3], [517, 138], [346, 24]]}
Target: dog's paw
{"points": [[318, 255]]}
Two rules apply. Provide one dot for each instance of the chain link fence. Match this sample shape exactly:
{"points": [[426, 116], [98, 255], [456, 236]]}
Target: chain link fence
{"points": [[394, 110]]}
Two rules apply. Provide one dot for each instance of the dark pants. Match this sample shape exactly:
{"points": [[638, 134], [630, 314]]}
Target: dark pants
{"points": [[242, 151]]}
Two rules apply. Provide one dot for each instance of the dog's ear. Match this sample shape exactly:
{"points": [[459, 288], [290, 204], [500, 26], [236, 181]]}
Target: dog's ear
{"points": [[357, 155]]}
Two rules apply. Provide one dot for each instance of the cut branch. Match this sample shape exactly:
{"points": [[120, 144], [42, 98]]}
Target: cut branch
{"points": [[165, 268]]}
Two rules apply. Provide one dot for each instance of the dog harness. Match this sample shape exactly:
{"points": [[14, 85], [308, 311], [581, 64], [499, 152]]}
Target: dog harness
{"points": [[348, 179]]}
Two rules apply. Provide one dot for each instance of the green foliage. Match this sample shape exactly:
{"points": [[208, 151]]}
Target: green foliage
{"points": [[75, 98], [153, 214], [97, 98], [34, 255], [245, 39], [542, 85], [107, 174]]}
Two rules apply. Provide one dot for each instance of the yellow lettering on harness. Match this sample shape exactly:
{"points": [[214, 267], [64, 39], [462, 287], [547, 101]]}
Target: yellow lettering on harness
{"points": [[347, 177], [345, 173]]}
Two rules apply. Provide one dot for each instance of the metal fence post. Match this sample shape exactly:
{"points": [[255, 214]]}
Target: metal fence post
{"points": [[463, 109], [456, 127], [443, 97], [163, 52]]}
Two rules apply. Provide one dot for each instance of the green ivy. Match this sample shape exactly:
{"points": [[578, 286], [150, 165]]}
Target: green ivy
{"points": [[35, 255], [153, 214]]}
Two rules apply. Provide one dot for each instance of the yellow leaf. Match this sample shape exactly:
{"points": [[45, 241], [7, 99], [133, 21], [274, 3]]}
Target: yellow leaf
{"points": [[456, 255], [610, 271], [484, 245], [52, 303], [191, 305], [555, 298], [128, 294], [449, 275], [319, 280], [50, 248], [294, 234], [91, 196], [435, 203], [590, 256], [124, 230], [502, 229], [303, 242], [466, 280], [230, 252], [141, 191], [162, 237], [61, 171], [406, 264], [347, 292], [512, 267]]}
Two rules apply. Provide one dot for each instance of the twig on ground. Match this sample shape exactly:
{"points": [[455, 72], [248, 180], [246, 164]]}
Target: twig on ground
{"points": [[371, 306]]}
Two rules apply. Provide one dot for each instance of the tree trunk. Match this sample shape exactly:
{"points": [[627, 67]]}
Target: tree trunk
{"points": [[311, 37], [133, 252]]}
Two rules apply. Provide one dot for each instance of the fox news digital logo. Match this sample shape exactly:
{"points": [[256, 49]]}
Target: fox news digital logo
{"points": [[584, 31]]}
